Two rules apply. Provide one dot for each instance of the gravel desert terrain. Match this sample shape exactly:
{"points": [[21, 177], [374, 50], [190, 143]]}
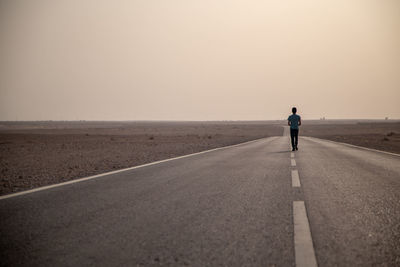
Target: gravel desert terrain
{"points": [[34, 154], [381, 135]]}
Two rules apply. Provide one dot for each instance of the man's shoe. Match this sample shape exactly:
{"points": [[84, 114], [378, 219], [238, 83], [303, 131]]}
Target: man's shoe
{"points": [[297, 148], [293, 149]]}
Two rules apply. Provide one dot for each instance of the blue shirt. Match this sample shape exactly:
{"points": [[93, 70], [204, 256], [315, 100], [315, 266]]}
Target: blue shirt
{"points": [[294, 121]]}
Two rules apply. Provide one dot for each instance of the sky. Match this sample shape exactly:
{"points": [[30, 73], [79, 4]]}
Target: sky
{"points": [[199, 60]]}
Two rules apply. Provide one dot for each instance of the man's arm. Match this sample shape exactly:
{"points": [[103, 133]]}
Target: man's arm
{"points": [[299, 120], [288, 122]]}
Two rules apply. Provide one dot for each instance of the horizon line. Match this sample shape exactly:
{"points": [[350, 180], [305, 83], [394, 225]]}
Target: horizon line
{"points": [[222, 120]]}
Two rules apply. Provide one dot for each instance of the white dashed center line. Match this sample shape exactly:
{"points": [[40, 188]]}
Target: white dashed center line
{"points": [[295, 178], [293, 162], [303, 245]]}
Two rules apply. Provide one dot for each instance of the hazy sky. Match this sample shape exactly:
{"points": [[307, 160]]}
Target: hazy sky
{"points": [[199, 59]]}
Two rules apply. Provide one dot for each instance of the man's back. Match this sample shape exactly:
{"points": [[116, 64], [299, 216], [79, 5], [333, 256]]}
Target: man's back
{"points": [[294, 120]]}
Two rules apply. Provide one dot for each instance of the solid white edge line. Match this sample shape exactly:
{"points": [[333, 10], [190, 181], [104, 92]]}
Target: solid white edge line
{"points": [[354, 146], [303, 244], [123, 170], [293, 162], [295, 179]]}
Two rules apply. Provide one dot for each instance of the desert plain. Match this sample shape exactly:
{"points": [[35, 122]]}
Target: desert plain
{"points": [[34, 154]]}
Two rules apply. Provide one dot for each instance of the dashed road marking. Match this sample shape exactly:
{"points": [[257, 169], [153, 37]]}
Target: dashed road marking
{"points": [[293, 162], [303, 244], [295, 178], [291, 154]]}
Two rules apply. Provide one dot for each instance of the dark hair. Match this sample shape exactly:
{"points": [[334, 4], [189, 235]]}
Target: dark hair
{"points": [[294, 109]]}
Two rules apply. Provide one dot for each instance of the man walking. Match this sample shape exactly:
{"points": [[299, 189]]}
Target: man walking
{"points": [[294, 121]]}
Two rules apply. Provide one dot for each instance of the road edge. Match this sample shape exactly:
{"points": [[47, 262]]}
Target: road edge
{"points": [[355, 146], [123, 170]]}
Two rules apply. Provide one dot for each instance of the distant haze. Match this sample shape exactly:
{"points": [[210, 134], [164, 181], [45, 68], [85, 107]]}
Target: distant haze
{"points": [[199, 59]]}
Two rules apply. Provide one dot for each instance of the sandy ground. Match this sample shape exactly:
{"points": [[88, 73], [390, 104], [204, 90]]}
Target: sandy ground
{"points": [[43, 153], [34, 154], [377, 135]]}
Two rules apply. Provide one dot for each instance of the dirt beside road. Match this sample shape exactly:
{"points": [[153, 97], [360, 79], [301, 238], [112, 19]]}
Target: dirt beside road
{"points": [[34, 154], [377, 135], [43, 153]]}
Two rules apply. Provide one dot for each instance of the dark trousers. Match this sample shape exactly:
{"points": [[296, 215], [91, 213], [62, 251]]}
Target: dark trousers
{"points": [[294, 136]]}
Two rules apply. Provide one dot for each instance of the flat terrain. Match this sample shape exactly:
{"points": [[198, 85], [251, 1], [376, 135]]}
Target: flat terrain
{"points": [[379, 135], [34, 154], [237, 206]]}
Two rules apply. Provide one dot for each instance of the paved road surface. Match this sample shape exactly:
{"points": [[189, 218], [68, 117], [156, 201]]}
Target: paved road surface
{"points": [[256, 204]]}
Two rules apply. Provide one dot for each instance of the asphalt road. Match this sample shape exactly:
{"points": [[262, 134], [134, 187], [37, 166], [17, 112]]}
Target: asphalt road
{"points": [[256, 204]]}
